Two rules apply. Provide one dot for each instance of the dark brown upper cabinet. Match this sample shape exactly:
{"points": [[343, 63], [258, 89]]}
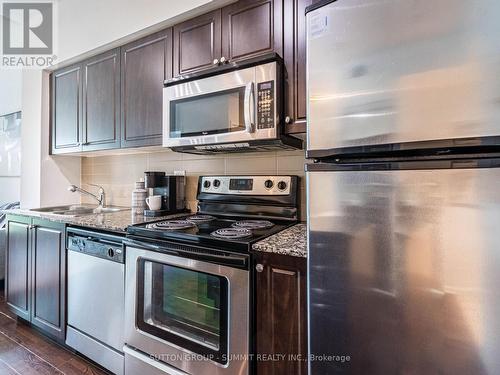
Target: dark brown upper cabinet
{"points": [[146, 63], [101, 102], [251, 28], [294, 48], [116, 99], [197, 43], [66, 101], [86, 105], [243, 30]]}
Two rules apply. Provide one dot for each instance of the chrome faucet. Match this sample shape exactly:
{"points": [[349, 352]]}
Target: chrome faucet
{"points": [[100, 197]]}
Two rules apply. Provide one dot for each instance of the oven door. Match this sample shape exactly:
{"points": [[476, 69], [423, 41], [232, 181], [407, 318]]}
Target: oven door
{"points": [[222, 108], [189, 313]]}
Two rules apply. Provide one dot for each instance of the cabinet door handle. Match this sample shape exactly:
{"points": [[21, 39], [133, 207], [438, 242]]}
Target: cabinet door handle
{"points": [[259, 267], [222, 60], [32, 226], [216, 61], [288, 120]]}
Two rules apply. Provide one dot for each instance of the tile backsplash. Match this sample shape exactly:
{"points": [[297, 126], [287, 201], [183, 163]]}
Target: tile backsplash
{"points": [[117, 173]]}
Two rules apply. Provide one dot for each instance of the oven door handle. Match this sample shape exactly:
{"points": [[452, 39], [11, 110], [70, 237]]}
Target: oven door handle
{"points": [[249, 107], [226, 260]]}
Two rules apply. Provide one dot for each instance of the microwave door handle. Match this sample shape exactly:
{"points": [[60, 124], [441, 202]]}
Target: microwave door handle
{"points": [[249, 107]]}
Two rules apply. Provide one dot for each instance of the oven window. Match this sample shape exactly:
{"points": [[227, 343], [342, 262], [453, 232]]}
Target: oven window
{"points": [[219, 112], [185, 307]]}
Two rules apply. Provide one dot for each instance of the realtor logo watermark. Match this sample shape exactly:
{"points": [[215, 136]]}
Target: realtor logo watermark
{"points": [[28, 34]]}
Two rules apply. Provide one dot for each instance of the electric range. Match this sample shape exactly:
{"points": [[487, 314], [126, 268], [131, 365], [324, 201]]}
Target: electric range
{"points": [[188, 287], [225, 233], [233, 213]]}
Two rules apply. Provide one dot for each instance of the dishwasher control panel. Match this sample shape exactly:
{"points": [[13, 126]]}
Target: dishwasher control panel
{"points": [[96, 244]]}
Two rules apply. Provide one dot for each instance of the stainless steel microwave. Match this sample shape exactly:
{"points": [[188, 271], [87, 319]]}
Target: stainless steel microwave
{"points": [[236, 110]]}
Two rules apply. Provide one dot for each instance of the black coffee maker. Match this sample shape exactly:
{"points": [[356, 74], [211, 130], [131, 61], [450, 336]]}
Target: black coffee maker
{"points": [[172, 190]]}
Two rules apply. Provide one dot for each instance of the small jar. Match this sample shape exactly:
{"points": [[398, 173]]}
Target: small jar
{"points": [[139, 195]]}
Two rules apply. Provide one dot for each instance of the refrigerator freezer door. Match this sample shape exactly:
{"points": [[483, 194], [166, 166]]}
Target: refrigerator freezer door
{"points": [[404, 271], [397, 71]]}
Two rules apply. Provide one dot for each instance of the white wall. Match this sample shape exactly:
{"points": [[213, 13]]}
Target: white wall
{"points": [[82, 27], [10, 101], [10, 91], [10, 189], [30, 138]]}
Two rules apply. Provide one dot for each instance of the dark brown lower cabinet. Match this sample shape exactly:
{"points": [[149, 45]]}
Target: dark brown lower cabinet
{"points": [[35, 273], [281, 314], [48, 261], [18, 266]]}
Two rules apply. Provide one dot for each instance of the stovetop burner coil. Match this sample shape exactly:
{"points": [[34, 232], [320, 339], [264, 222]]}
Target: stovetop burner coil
{"points": [[200, 219], [232, 233], [253, 224], [172, 225]]}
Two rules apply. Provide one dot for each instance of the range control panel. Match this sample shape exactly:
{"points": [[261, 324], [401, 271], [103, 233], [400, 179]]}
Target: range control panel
{"points": [[247, 185], [265, 105]]}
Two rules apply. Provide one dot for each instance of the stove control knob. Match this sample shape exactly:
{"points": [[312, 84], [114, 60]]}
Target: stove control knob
{"points": [[216, 183], [269, 184], [259, 267], [282, 185], [206, 184], [111, 252]]}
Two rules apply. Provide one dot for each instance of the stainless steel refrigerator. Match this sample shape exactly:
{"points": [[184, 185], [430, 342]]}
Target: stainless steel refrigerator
{"points": [[403, 186]]}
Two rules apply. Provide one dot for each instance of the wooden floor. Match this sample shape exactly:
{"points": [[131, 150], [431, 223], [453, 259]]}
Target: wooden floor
{"points": [[24, 351]]}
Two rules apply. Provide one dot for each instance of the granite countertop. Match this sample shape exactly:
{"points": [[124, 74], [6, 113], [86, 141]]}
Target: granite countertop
{"points": [[291, 241], [113, 221]]}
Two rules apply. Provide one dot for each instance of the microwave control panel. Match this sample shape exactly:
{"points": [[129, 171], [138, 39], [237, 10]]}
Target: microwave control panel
{"points": [[265, 105]]}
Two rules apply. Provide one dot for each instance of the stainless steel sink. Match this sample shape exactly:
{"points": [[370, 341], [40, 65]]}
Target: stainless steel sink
{"points": [[108, 210], [78, 210]]}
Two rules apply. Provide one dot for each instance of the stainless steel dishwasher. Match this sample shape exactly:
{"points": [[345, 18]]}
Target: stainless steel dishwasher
{"points": [[96, 284]]}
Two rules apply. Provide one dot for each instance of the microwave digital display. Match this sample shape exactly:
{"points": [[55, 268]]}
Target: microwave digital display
{"points": [[241, 184]]}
